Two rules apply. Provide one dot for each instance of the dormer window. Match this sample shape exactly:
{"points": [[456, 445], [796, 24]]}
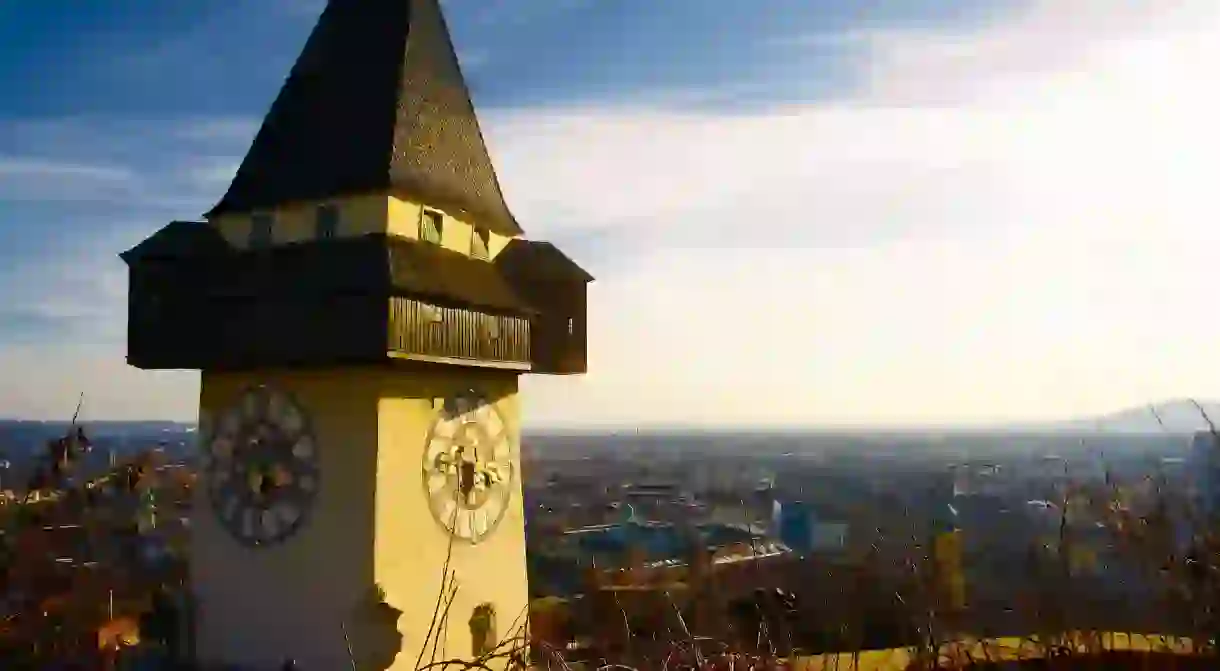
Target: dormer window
{"points": [[261, 225], [431, 226], [479, 243], [327, 222]]}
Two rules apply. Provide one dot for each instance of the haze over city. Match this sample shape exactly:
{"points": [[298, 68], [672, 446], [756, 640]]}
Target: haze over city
{"points": [[894, 216]]}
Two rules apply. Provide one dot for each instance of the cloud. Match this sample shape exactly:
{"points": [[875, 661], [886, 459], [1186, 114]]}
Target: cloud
{"points": [[1006, 223], [26, 178], [230, 132], [472, 59], [1003, 225], [63, 297], [145, 166], [1068, 48], [74, 305]]}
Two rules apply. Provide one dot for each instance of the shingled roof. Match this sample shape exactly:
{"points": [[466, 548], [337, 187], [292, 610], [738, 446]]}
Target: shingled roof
{"points": [[179, 240], [375, 102], [536, 258]]}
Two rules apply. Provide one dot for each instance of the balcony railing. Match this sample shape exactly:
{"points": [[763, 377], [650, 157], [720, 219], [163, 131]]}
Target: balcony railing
{"points": [[425, 332]]}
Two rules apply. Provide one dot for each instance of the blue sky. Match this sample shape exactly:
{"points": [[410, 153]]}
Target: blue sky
{"points": [[119, 116], [141, 59], [122, 115]]}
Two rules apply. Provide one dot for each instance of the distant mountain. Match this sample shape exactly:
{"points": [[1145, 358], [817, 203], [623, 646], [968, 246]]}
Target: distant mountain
{"points": [[1177, 416]]}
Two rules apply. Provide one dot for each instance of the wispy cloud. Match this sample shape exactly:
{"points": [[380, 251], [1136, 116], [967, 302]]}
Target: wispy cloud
{"points": [[71, 288], [969, 238], [836, 39], [24, 178], [1009, 221], [472, 59], [226, 132]]}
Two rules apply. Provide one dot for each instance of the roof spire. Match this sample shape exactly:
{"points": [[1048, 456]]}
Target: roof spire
{"points": [[375, 102]]}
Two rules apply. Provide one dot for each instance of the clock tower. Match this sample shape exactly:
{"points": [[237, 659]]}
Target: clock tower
{"points": [[361, 303]]}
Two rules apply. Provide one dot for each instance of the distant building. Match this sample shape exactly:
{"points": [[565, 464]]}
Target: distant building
{"points": [[794, 525], [644, 542]]}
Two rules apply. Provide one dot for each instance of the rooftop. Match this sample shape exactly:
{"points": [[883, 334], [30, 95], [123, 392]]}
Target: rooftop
{"points": [[376, 102]]}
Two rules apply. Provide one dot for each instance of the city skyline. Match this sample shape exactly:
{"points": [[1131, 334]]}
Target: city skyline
{"points": [[929, 216]]}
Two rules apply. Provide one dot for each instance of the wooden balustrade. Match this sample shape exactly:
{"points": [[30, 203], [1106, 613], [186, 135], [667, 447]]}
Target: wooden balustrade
{"points": [[420, 330]]}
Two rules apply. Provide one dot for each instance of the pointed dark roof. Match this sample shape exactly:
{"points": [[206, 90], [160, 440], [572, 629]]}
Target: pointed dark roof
{"points": [[375, 102], [537, 258], [179, 240]]}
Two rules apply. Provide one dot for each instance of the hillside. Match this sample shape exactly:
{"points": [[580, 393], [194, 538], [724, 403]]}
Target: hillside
{"points": [[1176, 416]]}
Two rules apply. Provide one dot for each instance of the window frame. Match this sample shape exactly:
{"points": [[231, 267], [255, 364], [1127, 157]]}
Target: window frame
{"points": [[261, 237], [326, 228], [483, 236], [436, 218]]}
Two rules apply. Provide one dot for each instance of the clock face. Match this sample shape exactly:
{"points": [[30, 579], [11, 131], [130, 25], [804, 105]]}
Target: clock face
{"points": [[468, 468], [261, 467]]}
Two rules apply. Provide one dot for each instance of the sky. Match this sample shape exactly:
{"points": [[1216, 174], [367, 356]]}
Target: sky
{"points": [[832, 213]]}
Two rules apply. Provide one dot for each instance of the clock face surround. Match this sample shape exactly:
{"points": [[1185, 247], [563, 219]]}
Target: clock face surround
{"points": [[469, 467], [261, 467]]}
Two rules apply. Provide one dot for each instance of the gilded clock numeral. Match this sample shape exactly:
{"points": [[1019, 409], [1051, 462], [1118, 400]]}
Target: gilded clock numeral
{"points": [[480, 522], [303, 448], [288, 514], [247, 523], [250, 406], [270, 523]]}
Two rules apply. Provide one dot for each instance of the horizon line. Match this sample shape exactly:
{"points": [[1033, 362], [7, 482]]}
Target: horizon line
{"points": [[1045, 428]]}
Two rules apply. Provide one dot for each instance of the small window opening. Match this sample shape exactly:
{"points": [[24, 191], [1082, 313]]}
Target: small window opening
{"points": [[431, 227], [261, 230], [479, 244], [327, 224]]}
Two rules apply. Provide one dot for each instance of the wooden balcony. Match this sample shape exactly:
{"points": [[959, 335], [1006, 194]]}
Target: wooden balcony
{"points": [[421, 331], [338, 330], [350, 302]]}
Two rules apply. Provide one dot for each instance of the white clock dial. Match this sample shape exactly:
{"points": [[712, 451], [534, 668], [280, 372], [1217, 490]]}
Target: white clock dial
{"points": [[469, 466], [261, 467]]}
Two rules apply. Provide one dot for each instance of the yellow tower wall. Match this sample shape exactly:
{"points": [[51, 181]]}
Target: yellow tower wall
{"points": [[297, 222], [411, 546], [358, 215], [369, 526], [260, 606]]}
